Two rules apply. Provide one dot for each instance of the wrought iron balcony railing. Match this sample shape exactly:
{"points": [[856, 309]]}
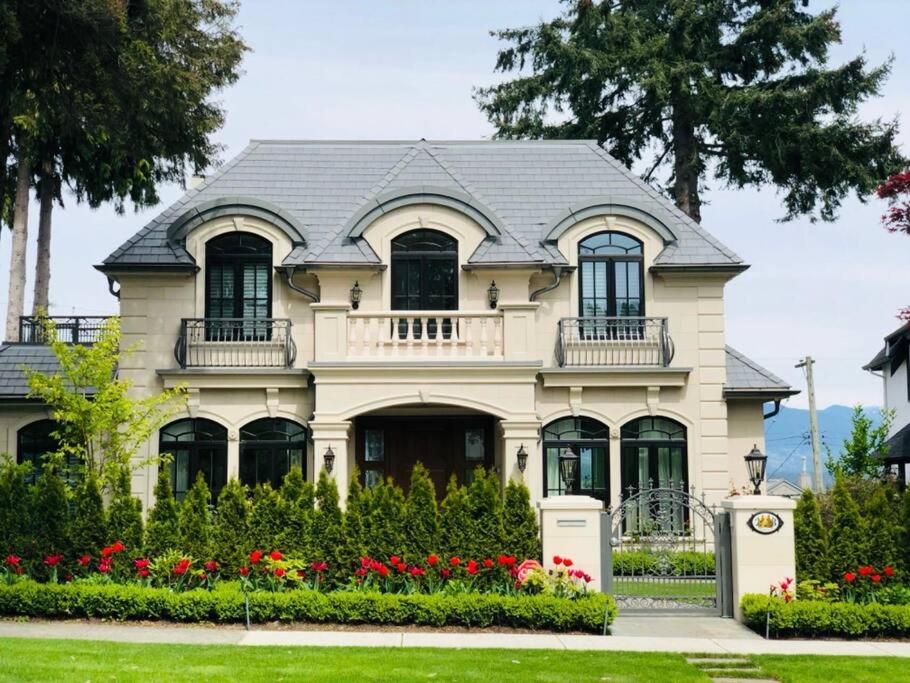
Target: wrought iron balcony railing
{"points": [[614, 341], [235, 343], [81, 329]]}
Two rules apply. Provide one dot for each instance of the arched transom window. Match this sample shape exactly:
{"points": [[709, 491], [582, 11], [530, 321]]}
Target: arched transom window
{"points": [[653, 454], [195, 445], [269, 448], [35, 441], [238, 276], [424, 271], [590, 441], [611, 276]]}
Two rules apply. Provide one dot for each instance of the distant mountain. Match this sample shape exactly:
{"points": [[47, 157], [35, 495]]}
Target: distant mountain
{"points": [[787, 437]]}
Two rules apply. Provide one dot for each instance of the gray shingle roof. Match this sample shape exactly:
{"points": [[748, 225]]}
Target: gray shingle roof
{"points": [[745, 376], [527, 185], [14, 357]]}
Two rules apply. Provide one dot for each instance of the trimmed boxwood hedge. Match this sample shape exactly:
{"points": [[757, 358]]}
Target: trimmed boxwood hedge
{"points": [[682, 563], [226, 604], [816, 619]]}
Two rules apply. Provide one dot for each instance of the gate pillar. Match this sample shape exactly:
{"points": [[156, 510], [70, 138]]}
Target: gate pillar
{"points": [[571, 526], [763, 543]]}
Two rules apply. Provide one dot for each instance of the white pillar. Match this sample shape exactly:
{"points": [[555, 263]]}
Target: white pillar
{"points": [[335, 435], [515, 434], [571, 526], [763, 543]]}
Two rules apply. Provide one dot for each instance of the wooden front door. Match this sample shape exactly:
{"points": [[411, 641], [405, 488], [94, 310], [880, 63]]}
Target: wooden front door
{"points": [[391, 446]]}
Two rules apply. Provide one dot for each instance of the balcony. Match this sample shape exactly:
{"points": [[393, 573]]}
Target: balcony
{"points": [[625, 342], [82, 329], [235, 343]]}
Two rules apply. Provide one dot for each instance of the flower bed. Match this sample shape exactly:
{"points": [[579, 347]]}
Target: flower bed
{"points": [[225, 604]]}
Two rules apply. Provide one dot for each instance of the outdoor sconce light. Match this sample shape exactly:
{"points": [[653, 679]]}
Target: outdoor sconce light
{"points": [[756, 461], [493, 294], [522, 458], [329, 458], [568, 464], [356, 293]]}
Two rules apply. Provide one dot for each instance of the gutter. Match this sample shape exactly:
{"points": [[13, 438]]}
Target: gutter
{"points": [[289, 279], [558, 273]]}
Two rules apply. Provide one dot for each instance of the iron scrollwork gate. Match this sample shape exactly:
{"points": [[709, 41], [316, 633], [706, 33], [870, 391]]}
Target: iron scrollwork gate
{"points": [[670, 551]]}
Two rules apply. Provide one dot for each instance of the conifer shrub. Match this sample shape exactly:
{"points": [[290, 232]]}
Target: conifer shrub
{"points": [[848, 539], [883, 526], [905, 535], [453, 519], [50, 517], [521, 533], [231, 528], [385, 522], [89, 526], [124, 515], [297, 511], [328, 527], [484, 515], [196, 522], [813, 561], [267, 518], [162, 533], [421, 521], [15, 508], [356, 516]]}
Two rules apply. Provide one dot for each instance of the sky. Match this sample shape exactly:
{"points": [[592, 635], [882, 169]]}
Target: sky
{"points": [[405, 69]]}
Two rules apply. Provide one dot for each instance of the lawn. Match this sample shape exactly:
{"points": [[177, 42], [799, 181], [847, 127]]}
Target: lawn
{"points": [[656, 587], [70, 660]]}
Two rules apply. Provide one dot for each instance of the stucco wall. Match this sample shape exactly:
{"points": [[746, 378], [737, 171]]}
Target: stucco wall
{"points": [[746, 427], [896, 397]]}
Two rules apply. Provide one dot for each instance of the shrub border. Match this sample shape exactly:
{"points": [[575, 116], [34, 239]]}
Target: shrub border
{"points": [[816, 618], [225, 604]]}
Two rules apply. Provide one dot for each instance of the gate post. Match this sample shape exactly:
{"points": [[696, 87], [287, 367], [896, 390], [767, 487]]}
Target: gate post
{"points": [[723, 566], [606, 552], [763, 543], [570, 526]]}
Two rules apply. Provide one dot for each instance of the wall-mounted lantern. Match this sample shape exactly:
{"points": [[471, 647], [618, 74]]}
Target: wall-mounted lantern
{"points": [[329, 459], [493, 294], [356, 294], [522, 456], [756, 461]]}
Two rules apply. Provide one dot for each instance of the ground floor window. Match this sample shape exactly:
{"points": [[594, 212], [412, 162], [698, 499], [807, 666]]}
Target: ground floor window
{"points": [[195, 445], [590, 441], [269, 448], [33, 442]]}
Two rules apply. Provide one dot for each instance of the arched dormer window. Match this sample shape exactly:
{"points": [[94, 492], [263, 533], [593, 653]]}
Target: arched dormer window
{"points": [[238, 283], [424, 271], [611, 276]]}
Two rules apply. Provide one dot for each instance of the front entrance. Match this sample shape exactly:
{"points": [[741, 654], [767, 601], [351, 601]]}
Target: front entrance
{"points": [[390, 446]]}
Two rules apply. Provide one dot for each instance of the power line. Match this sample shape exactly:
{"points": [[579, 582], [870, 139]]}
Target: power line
{"points": [[787, 459]]}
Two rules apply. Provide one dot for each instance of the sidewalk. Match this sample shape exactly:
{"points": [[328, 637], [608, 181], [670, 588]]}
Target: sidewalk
{"points": [[729, 638]]}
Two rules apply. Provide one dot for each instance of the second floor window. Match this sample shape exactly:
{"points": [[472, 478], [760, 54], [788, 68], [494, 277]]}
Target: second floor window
{"points": [[238, 282], [611, 276], [424, 271]]}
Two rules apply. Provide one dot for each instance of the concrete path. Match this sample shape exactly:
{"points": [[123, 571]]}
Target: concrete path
{"points": [[703, 638]]}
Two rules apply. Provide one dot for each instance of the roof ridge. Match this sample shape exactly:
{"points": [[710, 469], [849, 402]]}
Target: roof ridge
{"points": [[355, 141]]}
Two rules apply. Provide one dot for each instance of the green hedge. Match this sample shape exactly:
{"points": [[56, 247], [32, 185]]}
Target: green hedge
{"points": [[817, 619], [682, 563], [226, 604]]}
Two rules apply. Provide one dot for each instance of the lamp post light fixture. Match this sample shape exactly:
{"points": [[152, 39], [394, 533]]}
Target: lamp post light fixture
{"points": [[493, 294], [329, 459], [522, 456], [568, 465], [356, 293], [756, 461]]}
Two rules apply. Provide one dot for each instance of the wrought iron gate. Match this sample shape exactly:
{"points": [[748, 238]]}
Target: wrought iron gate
{"points": [[669, 551]]}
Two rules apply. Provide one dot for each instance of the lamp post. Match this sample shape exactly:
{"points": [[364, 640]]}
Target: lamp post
{"points": [[356, 294], [568, 464], [522, 456], [329, 459], [756, 461], [493, 294]]}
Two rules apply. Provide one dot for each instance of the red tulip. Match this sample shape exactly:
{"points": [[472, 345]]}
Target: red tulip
{"points": [[567, 562], [13, 560], [394, 560], [53, 560], [889, 571], [211, 566], [142, 563], [557, 559], [876, 578], [84, 560], [472, 567], [279, 572], [488, 563], [244, 571], [255, 556], [432, 560], [117, 547], [849, 577], [455, 561], [276, 555]]}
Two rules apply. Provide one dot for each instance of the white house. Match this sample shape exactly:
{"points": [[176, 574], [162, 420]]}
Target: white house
{"points": [[892, 364]]}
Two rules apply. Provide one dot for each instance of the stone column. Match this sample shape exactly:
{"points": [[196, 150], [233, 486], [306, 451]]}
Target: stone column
{"points": [[331, 331], [518, 336], [335, 435], [515, 434], [763, 543], [575, 527]]}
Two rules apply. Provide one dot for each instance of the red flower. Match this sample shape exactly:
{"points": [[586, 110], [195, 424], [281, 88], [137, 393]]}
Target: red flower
{"points": [[445, 573], [889, 571], [319, 566], [586, 578], [106, 551], [383, 570], [865, 571], [181, 567], [13, 560], [876, 578], [401, 567], [141, 564], [417, 571], [244, 571], [279, 572], [455, 561], [53, 560], [472, 567], [506, 560], [211, 566], [432, 560], [488, 563], [104, 566], [849, 577], [361, 571], [365, 562], [276, 555], [394, 560], [255, 556], [557, 559], [567, 562], [202, 576], [117, 547], [785, 584], [84, 560], [143, 573]]}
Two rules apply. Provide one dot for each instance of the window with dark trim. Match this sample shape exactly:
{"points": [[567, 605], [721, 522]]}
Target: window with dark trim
{"points": [[269, 448], [36, 440], [653, 455], [590, 441], [195, 445], [238, 279], [611, 276]]}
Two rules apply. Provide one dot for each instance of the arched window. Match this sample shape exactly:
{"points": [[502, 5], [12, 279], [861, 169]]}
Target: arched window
{"points": [[424, 271], [588, 439], [34, 441], [653, 455], [611, 276], [269, 448], [238, 281], [196, 445]]}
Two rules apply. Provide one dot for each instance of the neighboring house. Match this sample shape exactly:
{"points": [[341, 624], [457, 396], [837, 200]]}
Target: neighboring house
{"points": [[892, 364], [454, 303], [783, 487]]}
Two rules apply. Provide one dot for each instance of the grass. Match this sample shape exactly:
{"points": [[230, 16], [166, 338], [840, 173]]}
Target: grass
{"points": [[677, 588], [72, 660]]}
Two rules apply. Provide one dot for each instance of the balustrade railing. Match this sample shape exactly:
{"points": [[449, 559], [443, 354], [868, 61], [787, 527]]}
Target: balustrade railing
{"points": [[235, 343], [604, 341], [73, 329]]}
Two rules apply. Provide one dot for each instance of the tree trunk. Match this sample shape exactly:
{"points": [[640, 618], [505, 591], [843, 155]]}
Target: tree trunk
{"points": [[43, 262], [685, 163], [16, 299]]}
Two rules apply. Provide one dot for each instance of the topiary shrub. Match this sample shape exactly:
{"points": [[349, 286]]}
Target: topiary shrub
{"points": [[521, 534], [484, 513], [50, 517], [266, 518], [812, 552], [356, 516], [162, 533], [230, 528], [453, 519], [328, 532], [124, 515], [849, 541], [15, 508], [196, 522], [385, 528], [297, 500], [421, 518], [89, 527]]}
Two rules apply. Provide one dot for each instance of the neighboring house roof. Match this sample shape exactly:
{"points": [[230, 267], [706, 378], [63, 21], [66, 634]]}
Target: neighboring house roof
{"points": [[783, 487], [748, 379], [523, 193], [899, 446], [895, 350], [15, 357]]}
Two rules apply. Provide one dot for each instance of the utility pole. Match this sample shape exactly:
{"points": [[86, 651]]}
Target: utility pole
{"points": [[807, 363]]}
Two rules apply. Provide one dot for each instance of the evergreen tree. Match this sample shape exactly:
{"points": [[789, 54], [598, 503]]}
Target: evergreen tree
{"points": [[740, 89], [861, 452], [50, 515], [267, 519], [163, 530], [484, 503], [230, 529], [883, 531], [356, 514], [849, 540], [124, 515], [15, 509], [386, 521], [905, 534], [421, 516], [454, 520], [521, 534], [328, 526], [297, 511], [812, 553], [196, 522], [89, 527]]}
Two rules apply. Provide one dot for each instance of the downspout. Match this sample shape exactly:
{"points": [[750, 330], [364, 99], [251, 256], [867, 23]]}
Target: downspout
{"points": [[558, 272], [774, 412], [110, 287], [289, 279]]}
